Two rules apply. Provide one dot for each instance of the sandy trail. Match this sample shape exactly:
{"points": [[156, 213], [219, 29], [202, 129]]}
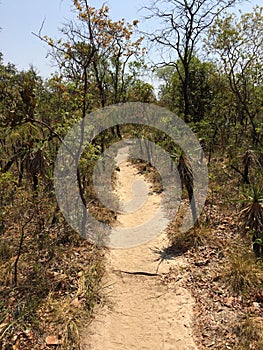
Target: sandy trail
{"points": [[142, 313]]}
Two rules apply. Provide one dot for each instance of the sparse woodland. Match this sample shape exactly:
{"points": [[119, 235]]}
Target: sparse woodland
{"points": [[210, 74]]}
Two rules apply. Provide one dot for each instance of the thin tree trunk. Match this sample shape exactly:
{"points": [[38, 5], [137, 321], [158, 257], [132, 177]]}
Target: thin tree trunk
{"points": [[20, 247]]}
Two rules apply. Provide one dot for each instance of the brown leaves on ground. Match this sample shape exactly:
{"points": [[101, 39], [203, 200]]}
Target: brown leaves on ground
{"points": [[228, 294], [57, 289]]}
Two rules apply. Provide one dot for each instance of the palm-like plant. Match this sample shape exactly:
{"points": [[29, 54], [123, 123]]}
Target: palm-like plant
{"points": [[187, 178], [252, 217], [34, 163]]}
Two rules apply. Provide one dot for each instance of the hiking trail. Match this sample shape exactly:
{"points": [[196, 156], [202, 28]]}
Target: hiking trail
{"points": [[141, 312]]}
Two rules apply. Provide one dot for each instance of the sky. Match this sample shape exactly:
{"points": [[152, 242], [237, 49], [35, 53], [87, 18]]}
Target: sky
{"points": [[19, 18]]}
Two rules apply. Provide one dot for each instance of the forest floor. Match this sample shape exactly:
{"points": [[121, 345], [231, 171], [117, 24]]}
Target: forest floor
{"points": [[144, 308]]}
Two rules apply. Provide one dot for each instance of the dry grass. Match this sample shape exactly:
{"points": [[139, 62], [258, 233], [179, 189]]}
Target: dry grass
{"points": [[57, 289], [183, 241], [250, 334], [242, 272], [6, 250], [197, 236]]}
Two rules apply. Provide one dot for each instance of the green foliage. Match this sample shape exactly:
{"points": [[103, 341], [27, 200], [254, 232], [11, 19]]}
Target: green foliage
{"points": [[252, 217], [237, 42], [140, 91], [200, 90]]}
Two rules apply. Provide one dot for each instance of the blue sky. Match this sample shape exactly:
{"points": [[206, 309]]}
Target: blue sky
{"points": [[19, 18]]}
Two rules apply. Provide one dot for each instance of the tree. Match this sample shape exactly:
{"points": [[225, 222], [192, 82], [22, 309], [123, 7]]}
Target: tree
{"points": [[200, 90], [93, 55], [141, 91], [95, 52], [238, 43], [182, 24], [111, 64], [20, 140]]}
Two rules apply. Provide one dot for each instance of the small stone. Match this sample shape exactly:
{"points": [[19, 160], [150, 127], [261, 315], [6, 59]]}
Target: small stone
{"points": [[75, 303], [52, 340], [256, 306]]}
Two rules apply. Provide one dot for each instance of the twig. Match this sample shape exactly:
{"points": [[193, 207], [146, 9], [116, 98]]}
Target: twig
{"points": [[20, 246], [141, 273]]}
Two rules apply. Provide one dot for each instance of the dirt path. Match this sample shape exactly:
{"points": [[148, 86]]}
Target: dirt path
{"points": [[142, 312]]}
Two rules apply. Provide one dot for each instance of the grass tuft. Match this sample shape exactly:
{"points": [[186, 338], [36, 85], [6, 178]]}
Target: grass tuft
{"points": [[250, 334], [242, 272]]}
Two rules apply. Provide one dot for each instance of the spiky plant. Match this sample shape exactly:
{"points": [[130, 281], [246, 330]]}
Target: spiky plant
{"points": [[187, 178], [247, 160], [34, 163], [252, 216]]}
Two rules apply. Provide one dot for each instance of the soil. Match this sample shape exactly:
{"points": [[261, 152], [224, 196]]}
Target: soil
{"points": [[144, 309]]}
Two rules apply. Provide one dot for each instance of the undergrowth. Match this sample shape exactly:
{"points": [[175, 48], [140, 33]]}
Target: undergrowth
{"points": [[224, 266], [242, 272], [250, 334], [49, 279]]}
